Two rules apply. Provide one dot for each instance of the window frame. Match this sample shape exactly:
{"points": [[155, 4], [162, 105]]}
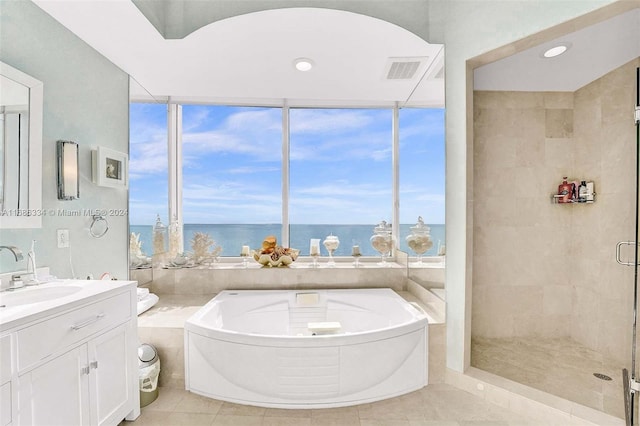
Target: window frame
{"points": [[175, 178]]}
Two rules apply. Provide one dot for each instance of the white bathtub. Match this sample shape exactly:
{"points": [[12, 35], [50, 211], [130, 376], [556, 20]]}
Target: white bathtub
{"points": [[306, 349]]}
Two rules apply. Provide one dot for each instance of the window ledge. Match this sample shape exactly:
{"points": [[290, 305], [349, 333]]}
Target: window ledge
{"points": [[301, 276]]}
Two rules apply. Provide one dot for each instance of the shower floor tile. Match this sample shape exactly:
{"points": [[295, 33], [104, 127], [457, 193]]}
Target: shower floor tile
{"points": [[560, 367]]}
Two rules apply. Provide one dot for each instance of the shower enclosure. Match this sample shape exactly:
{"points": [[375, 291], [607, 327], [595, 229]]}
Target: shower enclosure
{"points": [[551, 308], [630, 380]]}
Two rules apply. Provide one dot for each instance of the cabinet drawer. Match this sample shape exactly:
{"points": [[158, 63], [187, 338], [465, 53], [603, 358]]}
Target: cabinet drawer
{"points": [[42, 340]]}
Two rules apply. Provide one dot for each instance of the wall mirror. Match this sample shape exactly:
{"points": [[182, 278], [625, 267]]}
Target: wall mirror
{"points": [[20, 149]]}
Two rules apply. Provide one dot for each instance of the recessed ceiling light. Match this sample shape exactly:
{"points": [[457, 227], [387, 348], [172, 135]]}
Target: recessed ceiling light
{"points": [[556, 50], [303, 64]]}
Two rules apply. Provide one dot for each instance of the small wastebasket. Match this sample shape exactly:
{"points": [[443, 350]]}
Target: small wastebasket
{"points": [[149, 370]]}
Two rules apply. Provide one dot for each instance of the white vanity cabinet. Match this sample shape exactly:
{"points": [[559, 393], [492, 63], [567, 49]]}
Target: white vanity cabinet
{"points": [[78, 366], [7, 407]]}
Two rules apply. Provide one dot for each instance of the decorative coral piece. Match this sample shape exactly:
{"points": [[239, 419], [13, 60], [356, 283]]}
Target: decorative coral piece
{"points": [[135, 245], [200, 244]]}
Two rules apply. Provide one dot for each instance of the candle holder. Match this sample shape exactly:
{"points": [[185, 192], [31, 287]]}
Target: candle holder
{"points": [[245, 253], [314, 251], [355, 252]]}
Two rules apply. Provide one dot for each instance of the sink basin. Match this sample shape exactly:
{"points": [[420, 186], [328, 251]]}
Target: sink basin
{"points": [[35, 295]]}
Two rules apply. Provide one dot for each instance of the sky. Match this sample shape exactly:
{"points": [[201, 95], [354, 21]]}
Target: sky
{"points": [[340, 165]]}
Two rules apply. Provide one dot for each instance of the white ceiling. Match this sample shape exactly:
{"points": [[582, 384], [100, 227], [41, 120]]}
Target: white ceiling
{"points": [[595, 51], [249, 58]]}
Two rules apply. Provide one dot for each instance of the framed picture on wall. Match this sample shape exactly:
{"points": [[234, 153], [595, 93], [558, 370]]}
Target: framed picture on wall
{"points": [[109, 168]]}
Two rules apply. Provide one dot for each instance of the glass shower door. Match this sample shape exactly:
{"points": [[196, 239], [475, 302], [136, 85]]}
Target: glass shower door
{"points": [[629, 378]]}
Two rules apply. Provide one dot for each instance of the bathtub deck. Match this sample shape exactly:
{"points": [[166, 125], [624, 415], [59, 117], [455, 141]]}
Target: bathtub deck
{"points": [[163, 327]]}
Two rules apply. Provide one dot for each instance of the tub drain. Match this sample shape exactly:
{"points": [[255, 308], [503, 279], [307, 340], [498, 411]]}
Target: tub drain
{"points": [[602, 376]]}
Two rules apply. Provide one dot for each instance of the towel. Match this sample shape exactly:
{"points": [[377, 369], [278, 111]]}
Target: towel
{"points": [[324, 327], [142, 293]]}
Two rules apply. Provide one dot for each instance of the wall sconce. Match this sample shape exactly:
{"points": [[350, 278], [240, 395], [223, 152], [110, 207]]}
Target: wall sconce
{"points": [[68, 171]]}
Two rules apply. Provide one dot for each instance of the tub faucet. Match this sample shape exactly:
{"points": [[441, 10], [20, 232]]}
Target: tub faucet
{"points": [[17, 253]]}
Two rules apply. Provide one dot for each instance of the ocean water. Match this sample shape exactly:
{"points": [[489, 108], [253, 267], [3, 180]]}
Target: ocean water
{"points": [[231, 237]]}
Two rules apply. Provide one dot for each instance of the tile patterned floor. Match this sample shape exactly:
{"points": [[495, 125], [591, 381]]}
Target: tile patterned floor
{"points": [[557, 366], [434, 405]]}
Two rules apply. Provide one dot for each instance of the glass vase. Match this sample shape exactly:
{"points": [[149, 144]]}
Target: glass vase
{"points": [[419, 240], [382, 241]]}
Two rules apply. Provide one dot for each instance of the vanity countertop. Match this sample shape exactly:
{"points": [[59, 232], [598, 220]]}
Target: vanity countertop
{"points": [[31, 303]]}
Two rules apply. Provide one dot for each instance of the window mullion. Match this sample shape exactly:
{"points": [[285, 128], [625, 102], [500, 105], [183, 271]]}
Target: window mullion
{"points": [[174, 124], [396, 174], [285, 175]]}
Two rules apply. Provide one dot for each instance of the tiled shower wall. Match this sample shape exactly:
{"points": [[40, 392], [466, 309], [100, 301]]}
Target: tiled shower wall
{"points": [[543, 269], [605, 148]]}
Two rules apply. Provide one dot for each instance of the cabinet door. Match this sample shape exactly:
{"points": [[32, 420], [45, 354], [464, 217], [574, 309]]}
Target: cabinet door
{"points": [[6, 385], [55, 393], [109, 380]]}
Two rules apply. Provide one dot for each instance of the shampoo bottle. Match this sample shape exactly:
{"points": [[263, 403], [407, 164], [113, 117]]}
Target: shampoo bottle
{"points": [[590, 192], [582, 192], [566, 190]]}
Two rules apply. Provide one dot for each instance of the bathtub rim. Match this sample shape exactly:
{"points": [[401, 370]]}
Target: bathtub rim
{"points": [[195, 324]]}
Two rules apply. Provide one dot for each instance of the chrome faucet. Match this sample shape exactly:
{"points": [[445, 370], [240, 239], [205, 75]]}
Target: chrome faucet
{"points": [[17, 253]]}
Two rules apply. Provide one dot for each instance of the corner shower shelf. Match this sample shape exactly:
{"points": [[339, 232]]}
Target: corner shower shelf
{"points": [[555, 199]]}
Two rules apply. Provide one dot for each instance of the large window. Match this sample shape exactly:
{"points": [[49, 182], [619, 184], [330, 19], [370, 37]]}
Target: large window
{"points": [[341, 180], [247, 172], [422, 173], [148, 169], [232, 174]]}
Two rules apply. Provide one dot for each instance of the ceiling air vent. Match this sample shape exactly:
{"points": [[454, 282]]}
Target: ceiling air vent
{"points": [[403, 68]]}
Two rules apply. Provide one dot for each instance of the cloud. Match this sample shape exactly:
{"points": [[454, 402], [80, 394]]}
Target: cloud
{"points": [[193, 117], [148, 158], [339, 209], [148, 138], [381, 154], [144, 212], [316, 134], [255, 132], [422, 126], [430, 197], [261, 119], [328, 121], [343, 189], [236, 192], [245, 170], [373, 144], [340, 202], [231, 203], [366, 134]]}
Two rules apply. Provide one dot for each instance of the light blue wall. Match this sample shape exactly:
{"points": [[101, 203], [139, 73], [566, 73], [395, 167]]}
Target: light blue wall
{"points": [[86, 101]]}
